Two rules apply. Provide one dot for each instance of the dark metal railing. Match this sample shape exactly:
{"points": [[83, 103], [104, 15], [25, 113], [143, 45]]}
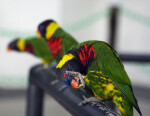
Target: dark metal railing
{"points": [[41, 82], [135, 57]]}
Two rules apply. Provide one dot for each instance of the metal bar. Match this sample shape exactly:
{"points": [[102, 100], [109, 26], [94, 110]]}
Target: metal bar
{"points": [[69, 98], [135, 57], [34, 99], [113, 25]]}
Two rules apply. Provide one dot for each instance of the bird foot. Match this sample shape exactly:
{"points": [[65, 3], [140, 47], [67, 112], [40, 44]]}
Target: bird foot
{"points": [[39, 69], [92, 100], [80, 79], [100, 104], [54, 82], [110, 112], [63, 87]]}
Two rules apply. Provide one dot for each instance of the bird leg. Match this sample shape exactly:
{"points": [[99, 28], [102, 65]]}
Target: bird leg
{"points": [[100, 104], [80, 79], [39, 69], [54, 82], [93, 100], [62, 87]]}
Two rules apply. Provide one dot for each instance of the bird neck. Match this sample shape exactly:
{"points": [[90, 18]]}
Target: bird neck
{"points": [[85, 55], [55, 47], [50, 30], [59, 33], [68, 63], [21, 44], [29, 48]]}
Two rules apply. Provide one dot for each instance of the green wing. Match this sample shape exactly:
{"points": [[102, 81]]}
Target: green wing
{"points": [[110, 64], [67, 40], [40, 48], [76, 47]]}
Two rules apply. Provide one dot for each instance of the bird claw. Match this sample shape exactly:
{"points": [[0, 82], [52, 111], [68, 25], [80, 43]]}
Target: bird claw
{"points": [[99, 103], [93, 103], [39, 69], [92, 100], [54, 82], [80, 78], [62, 87]]}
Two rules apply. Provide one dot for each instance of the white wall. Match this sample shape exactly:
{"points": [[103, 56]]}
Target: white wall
{"points": [[21, 16], [84, 19], [134, 31]]}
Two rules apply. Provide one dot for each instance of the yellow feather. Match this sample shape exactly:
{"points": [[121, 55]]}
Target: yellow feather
{"points": [[50, 30], [21, 44], [122, 110], [109, 87], [117, 101], [64, 60], [86, 80], [44, 62]]}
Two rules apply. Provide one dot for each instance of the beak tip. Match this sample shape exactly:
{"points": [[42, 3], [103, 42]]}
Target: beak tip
{"points": [[8, 49], [75, 85], [38, 33]]}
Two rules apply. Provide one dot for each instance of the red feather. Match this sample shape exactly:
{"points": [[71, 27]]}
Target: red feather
{"points": [[54, 44], [29, 48], [86, 54]]}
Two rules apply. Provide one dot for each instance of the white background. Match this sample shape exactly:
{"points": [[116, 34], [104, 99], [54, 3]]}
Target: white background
{"points": [[24, 16]]}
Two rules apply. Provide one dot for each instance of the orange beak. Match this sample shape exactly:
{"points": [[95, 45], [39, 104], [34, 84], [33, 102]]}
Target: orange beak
{"points": [[8, 49], [38, 33], [74, 84]]}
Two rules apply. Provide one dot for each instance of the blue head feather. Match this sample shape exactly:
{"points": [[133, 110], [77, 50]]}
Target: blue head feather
{"points": [[68, 80]]}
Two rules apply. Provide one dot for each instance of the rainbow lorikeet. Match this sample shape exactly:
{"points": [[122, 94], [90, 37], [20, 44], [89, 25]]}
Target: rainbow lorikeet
{"points": [[58, 41], [32, 45], [97, 66]]}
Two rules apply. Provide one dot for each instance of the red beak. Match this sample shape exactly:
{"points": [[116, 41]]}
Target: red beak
{"points": [[74, 84], [8, 49], [38, 33]]}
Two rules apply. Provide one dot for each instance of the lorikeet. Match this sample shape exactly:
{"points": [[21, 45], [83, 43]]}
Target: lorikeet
{"points": [[97, 66], [58, 41], [33, 45]]}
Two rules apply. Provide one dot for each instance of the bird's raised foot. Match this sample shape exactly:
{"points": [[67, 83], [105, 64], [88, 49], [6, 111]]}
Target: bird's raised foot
{"points": [[39, 69], [63, 87], [80, 79], [54, 82]]}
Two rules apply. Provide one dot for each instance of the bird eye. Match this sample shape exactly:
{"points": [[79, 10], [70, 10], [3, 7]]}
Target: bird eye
{"points": [[65, 75]]}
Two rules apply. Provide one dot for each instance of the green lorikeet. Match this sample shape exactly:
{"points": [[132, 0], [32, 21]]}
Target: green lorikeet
{"points": [[58, 41], [32, 45], [99, 68]]}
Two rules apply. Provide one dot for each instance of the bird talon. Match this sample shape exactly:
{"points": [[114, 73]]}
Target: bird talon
{"points": [[93, 103], [54, 82], [62, 88]]}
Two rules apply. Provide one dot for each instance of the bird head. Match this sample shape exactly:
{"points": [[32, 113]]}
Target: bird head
{"points": [[69, 63], [47, 28], [17, 45]]}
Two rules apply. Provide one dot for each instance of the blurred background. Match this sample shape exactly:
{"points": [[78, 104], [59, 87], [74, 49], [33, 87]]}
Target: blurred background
{"points": [[85, 20]]}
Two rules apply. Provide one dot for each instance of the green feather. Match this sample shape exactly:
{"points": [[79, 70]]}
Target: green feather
{"points": [[67, 40], [110, 64], [40, 48]]}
